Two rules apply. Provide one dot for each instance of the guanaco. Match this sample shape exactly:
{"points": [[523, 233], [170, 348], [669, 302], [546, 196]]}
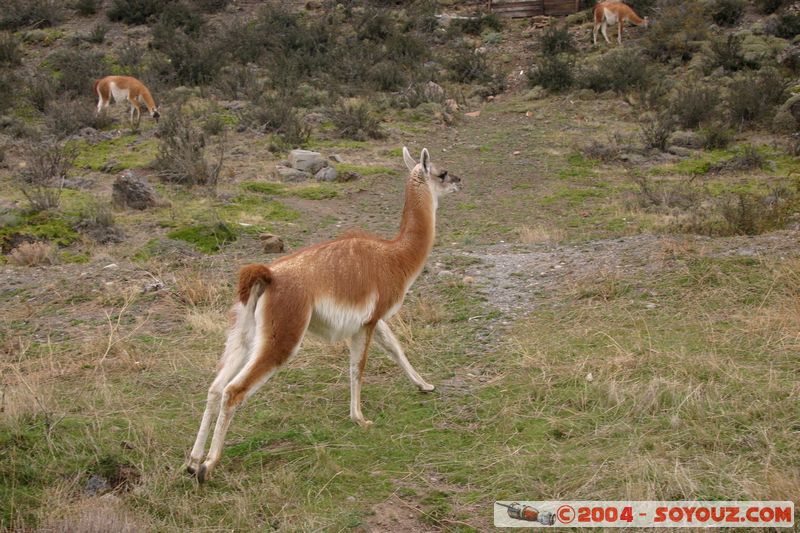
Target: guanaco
{"points": [[606, 13], [125, 88], [342, 289]]}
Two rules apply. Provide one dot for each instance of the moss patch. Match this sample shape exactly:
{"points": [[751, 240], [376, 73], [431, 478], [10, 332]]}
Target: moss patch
{"points": [[309, 192], [124, 152], [208, 238]]}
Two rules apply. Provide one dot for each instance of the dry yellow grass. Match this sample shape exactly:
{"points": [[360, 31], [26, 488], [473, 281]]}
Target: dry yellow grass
{"points": [[32, 254], [540, 234]]}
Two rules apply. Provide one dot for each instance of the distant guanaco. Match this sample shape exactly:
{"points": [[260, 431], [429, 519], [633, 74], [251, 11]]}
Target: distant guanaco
{"points": [[606, 13], [125, 88]]}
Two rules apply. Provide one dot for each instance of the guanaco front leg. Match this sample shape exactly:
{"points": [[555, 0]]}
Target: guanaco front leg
{"points": [[386, 340]]}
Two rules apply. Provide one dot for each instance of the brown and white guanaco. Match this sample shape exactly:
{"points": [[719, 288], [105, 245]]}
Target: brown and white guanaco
{"points": [[606, 13], [125, 88], [342, 289]]}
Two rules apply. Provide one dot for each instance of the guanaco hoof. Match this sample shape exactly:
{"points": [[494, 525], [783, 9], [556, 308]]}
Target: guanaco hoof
{"points": [[201, 474]]}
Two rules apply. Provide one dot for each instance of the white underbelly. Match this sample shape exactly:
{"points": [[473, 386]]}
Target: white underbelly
{"points": [[334, 321], [119, 94], [611, 18]]}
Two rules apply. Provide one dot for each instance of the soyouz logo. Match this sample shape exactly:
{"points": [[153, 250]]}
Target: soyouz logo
{"points": [[751, 514]]}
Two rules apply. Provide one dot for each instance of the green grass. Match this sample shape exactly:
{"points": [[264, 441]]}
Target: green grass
{"points": [[366, 170], [208, 238], [322, 191], [127, 151]]}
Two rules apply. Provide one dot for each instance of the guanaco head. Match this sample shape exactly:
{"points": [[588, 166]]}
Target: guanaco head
{"points": [[155, 114], [439, 180]]}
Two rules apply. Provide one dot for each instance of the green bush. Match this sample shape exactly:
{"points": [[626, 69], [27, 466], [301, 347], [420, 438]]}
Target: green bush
{"points": [[356, 121], [655, 129], [476, 24], [77, 69], [769, 6], [675, 34], [68, 116], [619, 70], [98, 34], [727, 53], [694, 103], [467, 66], [40, 89], [10, 54], [277, 114], [727, 12], [193, 60], [716, 136], [553, 72], [42, 180], [556, 39], [136, 11], [86, 7], [786, 26], [753, 96], [16, 14]]}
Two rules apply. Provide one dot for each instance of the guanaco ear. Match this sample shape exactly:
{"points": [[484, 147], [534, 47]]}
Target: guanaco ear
{"points": [[410, 163], [425, 160]]}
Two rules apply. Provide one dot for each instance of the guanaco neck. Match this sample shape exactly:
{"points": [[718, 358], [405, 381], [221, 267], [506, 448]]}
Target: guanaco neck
{"points": [[414, 241]]}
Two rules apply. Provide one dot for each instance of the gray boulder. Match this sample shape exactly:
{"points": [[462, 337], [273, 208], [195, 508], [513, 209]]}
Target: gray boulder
{"points": [[326, 174], [307, 161], [129, 191], [291, 175]]}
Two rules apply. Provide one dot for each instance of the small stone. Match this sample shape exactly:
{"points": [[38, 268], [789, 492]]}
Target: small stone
{"points": [[132, 192], [96, 485], [650, 305], [443, 273], [473, 114], [290, 175], [336, 158], [589, 377], [468, 280], [326, 174], [272, 244], [307, 161]]}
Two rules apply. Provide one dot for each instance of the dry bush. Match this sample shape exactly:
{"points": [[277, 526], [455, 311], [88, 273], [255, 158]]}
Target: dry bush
{"points": [[620, 70], [32, 254], [753, 96], [355, 120], [42, 179], [86, 7], [540, 234], [678, 27], [181, 153], [656, 129], [41, 90], [554, 72], [135, 11], [16, 14], [556, 39], [694, 103], [10, 54], [198, 290], [728, 54], [77, 69], [727, 12], [67, 116], [277, 114], [716, 135]]}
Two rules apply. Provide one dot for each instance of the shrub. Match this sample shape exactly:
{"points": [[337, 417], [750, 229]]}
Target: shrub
{"points": [[278, 115], [727, 12], [655, 129], [467, 66], [41, 89], [86, 7], [16, 14], [619, 70], [553, 72], [176, 15], [355, 120], [195, 60], [749, 159], [68, 116], [181, 153], [476, 24], [716, 136], [10, 54], [98, 34], [77, 69], [678, 29], [753, 213], [769, 6], [556, 39], [752, 96], [97, 221], [32, 254], [385, 76], [135, 11], [694, 103], [236, 81], [211, 6], [786, 26], [8, 83], [727, 53], [43, 178]]}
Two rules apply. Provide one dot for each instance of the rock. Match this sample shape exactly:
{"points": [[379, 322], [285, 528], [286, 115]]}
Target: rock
{"points": [[272, 244], [451, 105], [433, 91], [444, 273], [686, 139], [290, 175], [473, 114], [110, 166], [96, 485], [155, 286], [128, 191], [326, 174], [680, 151], [348, 176], [307, 161], [336, 158]]}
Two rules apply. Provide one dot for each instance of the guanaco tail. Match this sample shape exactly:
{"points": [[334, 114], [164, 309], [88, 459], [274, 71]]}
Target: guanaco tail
{"points": [[125, 88], [342, 289], [610, 13]]}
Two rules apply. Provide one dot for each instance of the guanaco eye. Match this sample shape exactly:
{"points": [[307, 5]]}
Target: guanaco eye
{"points": [[443, 175]]}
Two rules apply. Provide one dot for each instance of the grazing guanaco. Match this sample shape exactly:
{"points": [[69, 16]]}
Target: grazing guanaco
{"points": [[342, 289], [125, 88], [606, 13]]}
